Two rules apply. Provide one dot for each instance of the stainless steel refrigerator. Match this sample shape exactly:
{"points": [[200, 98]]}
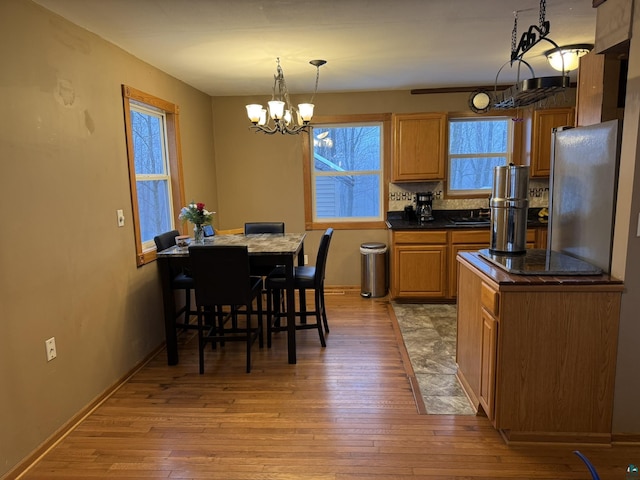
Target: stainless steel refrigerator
{"points": [[582, 192]]}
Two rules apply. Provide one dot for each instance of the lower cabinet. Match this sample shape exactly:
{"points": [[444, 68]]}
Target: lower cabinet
{"points": [[488, 363], [464, 241], [537, 354], [489, 312], [419, 264], [541, 238], [423, 263]]}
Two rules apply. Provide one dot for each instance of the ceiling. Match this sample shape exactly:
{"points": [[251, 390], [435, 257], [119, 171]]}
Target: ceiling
{"points": [[225, 47]]}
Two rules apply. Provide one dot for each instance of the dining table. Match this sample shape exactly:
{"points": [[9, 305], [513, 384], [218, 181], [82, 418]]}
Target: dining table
{"points": [[265, 249]]}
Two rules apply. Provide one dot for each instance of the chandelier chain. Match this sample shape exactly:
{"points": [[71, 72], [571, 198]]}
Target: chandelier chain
{"points": [[543, 11], [281, 83], [315, 89], [514, 32]]}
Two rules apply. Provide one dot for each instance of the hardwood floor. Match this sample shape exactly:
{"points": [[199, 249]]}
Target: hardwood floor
{"points": [[341, 413]]}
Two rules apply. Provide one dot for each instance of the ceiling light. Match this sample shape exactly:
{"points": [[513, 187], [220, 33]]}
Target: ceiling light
{"points": [[566, 59], [480, 101], [281, 116]]}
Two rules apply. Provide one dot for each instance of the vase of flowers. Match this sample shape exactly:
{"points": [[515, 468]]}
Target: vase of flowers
{"points": [[199, 216], [198, 234]]}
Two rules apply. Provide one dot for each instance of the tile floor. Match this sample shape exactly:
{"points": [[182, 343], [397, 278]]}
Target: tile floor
{"points": [[429, 333]]}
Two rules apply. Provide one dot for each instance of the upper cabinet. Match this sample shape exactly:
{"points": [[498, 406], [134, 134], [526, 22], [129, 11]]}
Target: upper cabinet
{"points": [[613, 24], [544, 121], [419, 141], [601, 92]]}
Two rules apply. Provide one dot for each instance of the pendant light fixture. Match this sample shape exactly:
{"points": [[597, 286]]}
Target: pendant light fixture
{"points": [[281, 116], [567, 58]]}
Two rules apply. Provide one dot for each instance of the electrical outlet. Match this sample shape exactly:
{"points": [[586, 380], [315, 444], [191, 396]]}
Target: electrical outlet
{"points": [[51, 348], [306, 259], [120, 215]]}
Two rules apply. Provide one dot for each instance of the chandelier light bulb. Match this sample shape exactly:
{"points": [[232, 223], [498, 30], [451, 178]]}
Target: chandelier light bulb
{"points": [[306, 111], [287, 117], [263, 116], [254, 112], [276, 109]]}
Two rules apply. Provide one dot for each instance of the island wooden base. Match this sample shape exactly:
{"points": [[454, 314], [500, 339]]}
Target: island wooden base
{"points": [[522, 438], [537, 355]]}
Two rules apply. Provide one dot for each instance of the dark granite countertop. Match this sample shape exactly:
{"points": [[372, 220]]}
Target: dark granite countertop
{"points": [[442, 220], [506, 279]]}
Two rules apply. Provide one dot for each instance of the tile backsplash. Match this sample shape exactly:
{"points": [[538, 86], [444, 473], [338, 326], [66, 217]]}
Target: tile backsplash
{"points": [[402, 194]]}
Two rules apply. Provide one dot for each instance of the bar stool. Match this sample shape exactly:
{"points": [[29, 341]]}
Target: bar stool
{"points": [[222, 278], [306, 278], [180, 280]]}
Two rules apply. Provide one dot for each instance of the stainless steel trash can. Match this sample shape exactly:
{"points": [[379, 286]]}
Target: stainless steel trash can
{"points": [[373, 272]]}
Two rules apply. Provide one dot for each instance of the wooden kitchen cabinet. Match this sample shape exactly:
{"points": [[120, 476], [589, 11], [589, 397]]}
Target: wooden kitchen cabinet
{"points": [[418, 264], [541, 237], [472, 241], [464, 241], [423, 263], [488, 363], [419, 147], [598, 96], [544, 121], [537, 354]]}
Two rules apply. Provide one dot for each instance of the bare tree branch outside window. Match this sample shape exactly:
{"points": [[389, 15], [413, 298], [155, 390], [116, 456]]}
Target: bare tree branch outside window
{"points": [[347, 171]]}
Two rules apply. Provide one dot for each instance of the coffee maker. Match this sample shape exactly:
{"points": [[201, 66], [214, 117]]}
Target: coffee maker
{"points": [[424, 207]]}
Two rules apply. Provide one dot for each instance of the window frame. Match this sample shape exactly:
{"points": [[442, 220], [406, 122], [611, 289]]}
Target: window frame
{"points": [[171, 113], [308, 166], [515, 143]]}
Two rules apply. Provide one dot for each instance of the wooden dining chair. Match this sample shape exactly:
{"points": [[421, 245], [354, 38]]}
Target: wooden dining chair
{"points": [[180, 279], [305, 278], [264, 270], [262, 227], [222, 279]]}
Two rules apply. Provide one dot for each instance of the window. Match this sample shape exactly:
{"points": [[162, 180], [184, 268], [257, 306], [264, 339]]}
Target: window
{"points": [[345, 185], [151, 127], [476, 146], [153, 182]]}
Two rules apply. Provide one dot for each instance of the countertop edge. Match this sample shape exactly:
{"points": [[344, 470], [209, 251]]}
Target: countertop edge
{"points": [[506, 279]]}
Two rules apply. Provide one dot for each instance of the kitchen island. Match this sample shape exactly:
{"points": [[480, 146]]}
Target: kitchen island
{"points": [[537, 353]]}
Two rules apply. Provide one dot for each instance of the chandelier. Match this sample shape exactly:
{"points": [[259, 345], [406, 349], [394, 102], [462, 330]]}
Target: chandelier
{"points": [[282, 117]]}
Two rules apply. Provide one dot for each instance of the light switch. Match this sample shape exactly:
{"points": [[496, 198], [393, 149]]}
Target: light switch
{"points": [[120, 215]]}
